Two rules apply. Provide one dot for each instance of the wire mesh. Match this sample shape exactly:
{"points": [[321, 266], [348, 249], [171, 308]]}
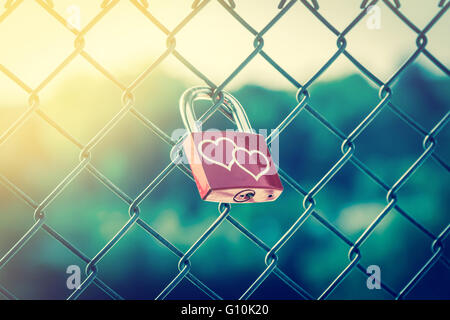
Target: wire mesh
{"points": [[308, 211]]}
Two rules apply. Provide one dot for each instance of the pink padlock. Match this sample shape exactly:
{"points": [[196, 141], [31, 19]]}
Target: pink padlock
{"points": [[228, 166]]}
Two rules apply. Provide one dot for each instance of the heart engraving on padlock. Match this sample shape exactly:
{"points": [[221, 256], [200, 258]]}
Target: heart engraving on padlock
{"points": [[216, 143], [251, 153]]}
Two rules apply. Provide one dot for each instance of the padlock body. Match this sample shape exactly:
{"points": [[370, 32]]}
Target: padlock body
{"points": [[232, 167]]}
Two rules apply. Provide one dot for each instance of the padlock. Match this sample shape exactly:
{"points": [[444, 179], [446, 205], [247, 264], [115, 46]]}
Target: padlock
{"points": [[228, 166]]}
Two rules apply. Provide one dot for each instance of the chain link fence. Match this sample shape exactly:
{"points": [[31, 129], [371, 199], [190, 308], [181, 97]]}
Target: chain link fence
{"points": [[308, 211]]}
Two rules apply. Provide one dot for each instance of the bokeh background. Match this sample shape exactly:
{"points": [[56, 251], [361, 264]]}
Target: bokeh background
{"points": [[80, 99]]}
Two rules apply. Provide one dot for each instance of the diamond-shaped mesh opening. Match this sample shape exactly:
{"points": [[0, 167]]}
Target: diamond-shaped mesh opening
{"points": [[400, 151], [391, 40], [122, 45], [113, 34], [32, 152], [25, 52], [213, 30], [313, 43], [70, 97]]}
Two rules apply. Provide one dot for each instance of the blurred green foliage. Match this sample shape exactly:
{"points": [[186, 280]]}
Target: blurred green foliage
{"points": [[87, 214]]}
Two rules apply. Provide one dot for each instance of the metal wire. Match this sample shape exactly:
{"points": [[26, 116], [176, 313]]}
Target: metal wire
{"points": [[225, 213]]}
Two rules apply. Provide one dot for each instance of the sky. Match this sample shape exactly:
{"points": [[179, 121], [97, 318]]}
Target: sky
{"points": [[33, 43]]}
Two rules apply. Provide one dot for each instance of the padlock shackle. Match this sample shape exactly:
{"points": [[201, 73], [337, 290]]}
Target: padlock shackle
{"points": [[204, 93]]}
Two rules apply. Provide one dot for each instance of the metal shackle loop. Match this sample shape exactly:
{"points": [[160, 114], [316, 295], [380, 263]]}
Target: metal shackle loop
{"points": [[204, 93]]}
